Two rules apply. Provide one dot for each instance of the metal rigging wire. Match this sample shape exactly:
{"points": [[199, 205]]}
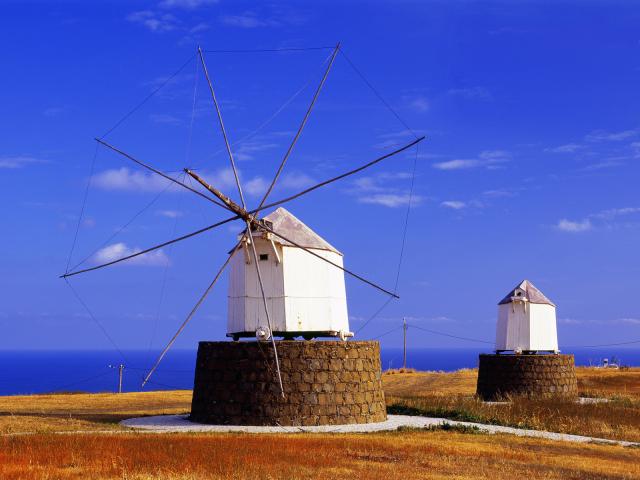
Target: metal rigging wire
{"points": [[377, 94], [95, 320], [84, 203], [265, 50], [403, 243], [123, 227], [148, 97]]}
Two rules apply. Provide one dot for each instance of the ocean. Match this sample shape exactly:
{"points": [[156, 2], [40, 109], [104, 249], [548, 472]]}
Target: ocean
{"points": [[25, 372]]}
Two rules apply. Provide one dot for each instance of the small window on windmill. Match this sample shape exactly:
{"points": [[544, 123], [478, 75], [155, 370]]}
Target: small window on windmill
{"points": [[264, 257]]}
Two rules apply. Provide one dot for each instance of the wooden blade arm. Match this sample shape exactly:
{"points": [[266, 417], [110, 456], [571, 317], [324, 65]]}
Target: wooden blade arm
{"points": [[222, 128], [302, 125], [147, 250], [155, 170], [339, 177], [230, 204], [266, 307]]}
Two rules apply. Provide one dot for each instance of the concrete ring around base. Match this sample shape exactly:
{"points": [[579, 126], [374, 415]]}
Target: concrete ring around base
{"points": [[181, 423]]}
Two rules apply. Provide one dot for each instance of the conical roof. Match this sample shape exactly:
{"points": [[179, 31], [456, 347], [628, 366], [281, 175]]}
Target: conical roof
{"points": [[531, 293], [285, 223]]}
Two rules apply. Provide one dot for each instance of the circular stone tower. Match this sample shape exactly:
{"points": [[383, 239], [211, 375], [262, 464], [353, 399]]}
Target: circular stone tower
{"points": [[526, 361], [325, 383], [535, 376]]}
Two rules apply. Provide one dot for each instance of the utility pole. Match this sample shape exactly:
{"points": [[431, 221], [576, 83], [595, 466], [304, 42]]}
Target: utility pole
{"points": [[120, 368], [404, 352], [120, 371]]}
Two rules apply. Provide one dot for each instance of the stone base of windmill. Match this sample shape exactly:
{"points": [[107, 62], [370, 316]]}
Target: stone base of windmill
{"points": [[534, 376], [325, 383]]}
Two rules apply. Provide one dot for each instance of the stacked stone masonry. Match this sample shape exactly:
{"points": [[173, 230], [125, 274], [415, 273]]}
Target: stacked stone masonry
{"points": [[325, 383], [535, 376]]}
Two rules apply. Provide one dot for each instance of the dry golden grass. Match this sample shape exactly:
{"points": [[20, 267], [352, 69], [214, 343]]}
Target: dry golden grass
{"points": [[402, 455], [417, 384], [100, 411], [599, 382], [450, 395]]}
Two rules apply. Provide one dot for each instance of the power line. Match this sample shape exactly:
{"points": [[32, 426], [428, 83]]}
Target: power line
{"points": [[64, 387], [449, 335], [632, 342], [387, 333]]}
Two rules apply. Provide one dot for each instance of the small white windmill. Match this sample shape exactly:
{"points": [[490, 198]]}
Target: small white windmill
{"points": [[254, 308], [526, 321]]}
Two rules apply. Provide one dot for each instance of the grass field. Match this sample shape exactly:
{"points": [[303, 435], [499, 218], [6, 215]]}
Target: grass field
{"points": [[390, 456], [409, 454], [451, 395]]}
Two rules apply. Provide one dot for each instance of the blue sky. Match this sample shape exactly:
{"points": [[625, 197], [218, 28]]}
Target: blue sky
{"points": [[530, 168]]}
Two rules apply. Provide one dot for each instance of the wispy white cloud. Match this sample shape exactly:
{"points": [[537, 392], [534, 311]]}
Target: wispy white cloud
{"points": [[453, 204], [612, 213], [498, 193], [55, 111], [126, 180], [480, 93], [391, 200], [630, 321], [123, 179], [457, 164], [199, 27], [488, 159], [186, 4], [247, 150], [19, 161], [574, 226], [614, 321], [417, 103], [494, 155], [381, 190], [398, 138], [296, 181], [256, 186], [165, 118], [119, 250], [602, 218], [158, 22], [603, 164], [567, 148], [605, 136], [248, 20], [170, 213]]}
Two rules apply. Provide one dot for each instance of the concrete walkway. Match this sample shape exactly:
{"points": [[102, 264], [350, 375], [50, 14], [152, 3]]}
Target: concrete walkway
{"points": [[180, 423]]}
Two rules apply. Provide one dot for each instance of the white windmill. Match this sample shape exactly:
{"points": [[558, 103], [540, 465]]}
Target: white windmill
{"points": [[306, 294], [273, 259], [526, 321]]}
